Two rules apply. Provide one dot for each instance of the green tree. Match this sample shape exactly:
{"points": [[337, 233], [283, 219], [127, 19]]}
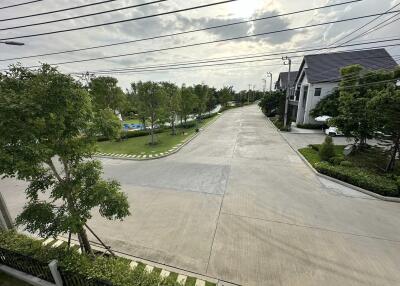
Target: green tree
{"points": [[107, 124], [187, 101], [173, 97], [225, 95], [327, 150], [135, 102], [201, 92], [385, 105], [107, 94], [273, 103], [329, 105], [47, 138], [353, 120], [151, 103]]}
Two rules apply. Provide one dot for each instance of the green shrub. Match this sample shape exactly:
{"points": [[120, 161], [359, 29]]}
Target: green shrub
{"points": [[359, 177], [315, 147], [115, 270], [327, 149], [310, 126], [346, 163], [336, 160]]}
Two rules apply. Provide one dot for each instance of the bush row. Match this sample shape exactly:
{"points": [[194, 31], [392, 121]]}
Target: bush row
{"points": [[115, 270], [311, 126], [382, 185]]}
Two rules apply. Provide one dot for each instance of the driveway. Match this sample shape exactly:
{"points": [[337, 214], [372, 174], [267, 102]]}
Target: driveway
{"points": [[238, 204]]}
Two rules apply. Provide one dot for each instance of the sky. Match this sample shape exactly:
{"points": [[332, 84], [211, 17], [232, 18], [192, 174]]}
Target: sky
{"points": [[239, 75]]}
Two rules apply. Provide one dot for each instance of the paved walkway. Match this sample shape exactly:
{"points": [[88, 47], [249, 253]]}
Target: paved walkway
{"points": [[238, 204]]}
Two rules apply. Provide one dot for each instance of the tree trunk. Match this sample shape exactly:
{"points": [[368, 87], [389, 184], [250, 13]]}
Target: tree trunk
{"points": [[392, 162], [85, 241], [173, 125], [152, 130], [144, 123]]}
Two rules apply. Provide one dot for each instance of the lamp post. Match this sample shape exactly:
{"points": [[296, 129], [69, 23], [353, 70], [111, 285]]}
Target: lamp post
{"points": [[287, 62], [5, 217]]}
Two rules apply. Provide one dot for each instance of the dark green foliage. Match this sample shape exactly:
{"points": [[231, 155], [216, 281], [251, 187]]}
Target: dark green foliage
{"points": [[329, 105], [115, 270], [327, 150], [346, 163], [336, 160], [47, 137], [310, 126], [107, 124], [273, 104], [362, 178]]}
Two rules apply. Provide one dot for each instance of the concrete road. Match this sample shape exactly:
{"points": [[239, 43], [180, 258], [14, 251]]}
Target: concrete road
{"points": [[238, 204]]}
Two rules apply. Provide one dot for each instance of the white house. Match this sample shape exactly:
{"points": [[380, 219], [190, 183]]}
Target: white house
{"points": [[319, 75]]}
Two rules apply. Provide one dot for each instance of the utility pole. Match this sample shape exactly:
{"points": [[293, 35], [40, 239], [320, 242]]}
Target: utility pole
{"points": [[6, 221], [287, 62], [264, 86], [269, 74], [248, 95]]}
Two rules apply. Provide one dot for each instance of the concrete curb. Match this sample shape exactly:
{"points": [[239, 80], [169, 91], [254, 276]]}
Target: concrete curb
{"points": [[372, 194], [172, 151]]}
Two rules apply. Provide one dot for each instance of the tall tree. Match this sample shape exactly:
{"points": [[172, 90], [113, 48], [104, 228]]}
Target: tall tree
{"points": [[329, 105], [106, 93], [173, 97], [151, 103], [385, 105], [188, 102], [353, 120], [225, 95], [47, 138], [201, 92]]}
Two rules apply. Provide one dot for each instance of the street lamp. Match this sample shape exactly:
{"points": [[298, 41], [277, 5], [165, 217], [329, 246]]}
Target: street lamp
{"points": [[12, 43]]}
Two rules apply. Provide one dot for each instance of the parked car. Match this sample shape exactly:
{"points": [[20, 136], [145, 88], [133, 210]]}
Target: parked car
{"points": [[333, 131]]}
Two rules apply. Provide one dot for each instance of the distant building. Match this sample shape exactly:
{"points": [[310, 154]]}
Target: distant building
{"points": [[282, 82], [319, 75]]}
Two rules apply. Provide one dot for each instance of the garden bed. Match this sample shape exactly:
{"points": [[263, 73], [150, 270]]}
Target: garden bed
{"points": [[362, 169]]}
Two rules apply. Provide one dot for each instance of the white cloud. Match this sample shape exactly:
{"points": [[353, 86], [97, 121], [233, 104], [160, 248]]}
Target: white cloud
{"points": [[237, 75]]}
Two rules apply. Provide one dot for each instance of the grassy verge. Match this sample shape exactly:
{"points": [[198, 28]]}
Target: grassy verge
{"points": [[362, 169], [140, 145]]}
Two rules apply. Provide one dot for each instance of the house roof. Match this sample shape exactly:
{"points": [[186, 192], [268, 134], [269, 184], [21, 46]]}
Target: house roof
{"points": [[283, 78], [326, 67]]}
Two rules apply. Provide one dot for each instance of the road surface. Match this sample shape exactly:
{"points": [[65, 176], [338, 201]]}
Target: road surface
{"points": [[238, 204]]}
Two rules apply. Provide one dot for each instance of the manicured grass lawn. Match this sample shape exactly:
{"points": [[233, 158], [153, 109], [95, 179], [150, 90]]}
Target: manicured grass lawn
{"points": [[141, 146], [6, 280], [362, 168], [132, 121]]}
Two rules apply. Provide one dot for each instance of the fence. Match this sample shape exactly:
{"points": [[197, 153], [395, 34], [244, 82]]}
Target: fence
{"points": [[34, 267], [75, 279], [26, 264]]}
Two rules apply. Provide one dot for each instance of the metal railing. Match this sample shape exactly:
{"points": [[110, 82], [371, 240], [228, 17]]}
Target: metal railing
{"points": [[26, 264]]}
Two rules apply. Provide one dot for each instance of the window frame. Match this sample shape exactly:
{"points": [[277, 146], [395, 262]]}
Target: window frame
{"points": [[317, 89]]}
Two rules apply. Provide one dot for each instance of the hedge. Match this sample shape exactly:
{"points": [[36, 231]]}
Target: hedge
{"points": [[310, 126], [362, 178], [115, 270]]}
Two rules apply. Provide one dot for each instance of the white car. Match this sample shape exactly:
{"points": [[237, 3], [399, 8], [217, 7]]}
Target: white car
{"points": [[333, 131]]}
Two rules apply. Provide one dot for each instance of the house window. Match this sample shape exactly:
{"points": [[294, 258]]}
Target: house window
{"points": [[317, 92]]}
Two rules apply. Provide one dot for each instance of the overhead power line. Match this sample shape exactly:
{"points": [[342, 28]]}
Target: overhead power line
{"points": [[20, 4], [120, 21], [214, 41], [179, 33], [362, 27], [57, 11], [377, 27], [83, 16], [189, 66]]}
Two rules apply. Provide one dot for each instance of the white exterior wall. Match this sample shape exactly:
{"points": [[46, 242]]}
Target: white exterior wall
{"points": [[326, 89], [303, 112]]}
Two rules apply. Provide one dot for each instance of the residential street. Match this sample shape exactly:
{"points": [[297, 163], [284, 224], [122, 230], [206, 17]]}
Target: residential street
{"points": [[238, 204]]}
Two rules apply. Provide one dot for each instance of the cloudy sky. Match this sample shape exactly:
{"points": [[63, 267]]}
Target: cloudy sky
{"points": [[239, 75]]}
